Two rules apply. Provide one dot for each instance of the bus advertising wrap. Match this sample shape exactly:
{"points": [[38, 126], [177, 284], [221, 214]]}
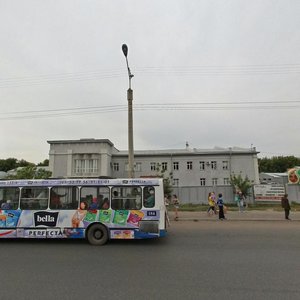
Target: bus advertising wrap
{"points": [[41, 224]]}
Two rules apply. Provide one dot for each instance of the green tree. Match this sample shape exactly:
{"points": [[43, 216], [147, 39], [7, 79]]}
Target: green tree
{"points": [[31, 172], [44, 163], [166, 179], [43, 174], [8, 164], [241, 184], [277, 164], [24, 163]]}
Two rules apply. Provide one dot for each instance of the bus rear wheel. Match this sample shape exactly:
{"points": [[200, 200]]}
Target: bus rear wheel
{"points": [[97, 235]]}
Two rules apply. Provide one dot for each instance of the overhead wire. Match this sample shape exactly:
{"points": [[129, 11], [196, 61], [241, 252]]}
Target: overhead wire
{"points": [[181, 106], [282, 69], [210, 70]]}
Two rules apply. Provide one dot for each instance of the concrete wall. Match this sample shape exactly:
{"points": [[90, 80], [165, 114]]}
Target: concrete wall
{"points": [[199, 195], [293, 191], [62, 158]]}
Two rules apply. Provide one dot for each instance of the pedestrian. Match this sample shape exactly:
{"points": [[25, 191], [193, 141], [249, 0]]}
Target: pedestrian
{"points": [[213, 197], [167, 202], [241, 201], [211, 203], [220, 204], [286, 206], [176, 206]]}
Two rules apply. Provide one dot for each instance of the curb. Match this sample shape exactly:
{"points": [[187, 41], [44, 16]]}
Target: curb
{"points": [[251, 216], [233, 220]]}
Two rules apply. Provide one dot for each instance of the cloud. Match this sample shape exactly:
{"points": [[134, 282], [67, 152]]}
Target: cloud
{"points": [[68, 55]]}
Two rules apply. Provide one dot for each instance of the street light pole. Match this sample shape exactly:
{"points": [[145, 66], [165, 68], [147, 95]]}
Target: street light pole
{"points": [[130, 119]]}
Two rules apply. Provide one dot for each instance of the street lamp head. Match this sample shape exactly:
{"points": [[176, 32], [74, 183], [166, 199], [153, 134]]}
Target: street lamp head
{"points": [[125, 49]]}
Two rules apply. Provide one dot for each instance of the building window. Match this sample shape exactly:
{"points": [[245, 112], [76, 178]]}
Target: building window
{"points": [[138, 167], [215, 181], [226, 181], [202, 181], [86, 166], [202, 165], [79, 165], [225, 165], [189, 165], [176, 182], [153, 166], [213, 165], [176, 166], [116, 166], [164, 166]]}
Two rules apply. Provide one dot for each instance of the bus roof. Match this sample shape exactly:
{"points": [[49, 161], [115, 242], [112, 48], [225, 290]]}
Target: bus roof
{"points": [[81, 182]]}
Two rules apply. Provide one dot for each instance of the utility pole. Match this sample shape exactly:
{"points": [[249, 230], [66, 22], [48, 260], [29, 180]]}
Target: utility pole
{"points": [[130, 118]]}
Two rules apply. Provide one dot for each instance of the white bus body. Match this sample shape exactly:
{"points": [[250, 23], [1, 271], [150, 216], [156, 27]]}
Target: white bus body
{"points": [[96, 209]]}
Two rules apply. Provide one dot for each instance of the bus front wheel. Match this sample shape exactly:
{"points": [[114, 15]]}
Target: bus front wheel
{"points": [[97, 235]]}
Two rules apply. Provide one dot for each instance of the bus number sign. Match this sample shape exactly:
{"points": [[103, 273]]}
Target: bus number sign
{"points": [[151, 213]]}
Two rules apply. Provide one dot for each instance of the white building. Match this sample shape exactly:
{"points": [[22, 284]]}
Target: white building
{"points": [[187, 168]]}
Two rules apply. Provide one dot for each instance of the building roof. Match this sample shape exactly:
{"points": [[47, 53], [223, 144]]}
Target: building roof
{"points": [[165, 152], [81, 141], [190, 151], [274, 175]]}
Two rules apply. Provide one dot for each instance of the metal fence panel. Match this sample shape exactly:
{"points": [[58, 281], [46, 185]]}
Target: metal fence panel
{"points": [[199, 194]]}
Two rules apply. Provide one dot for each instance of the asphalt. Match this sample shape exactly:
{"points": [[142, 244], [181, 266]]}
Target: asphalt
{"points": [[248, 215]]}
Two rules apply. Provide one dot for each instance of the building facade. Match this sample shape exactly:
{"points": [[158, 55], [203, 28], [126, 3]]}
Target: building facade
{"points": [[270, 178], [186, 168]]}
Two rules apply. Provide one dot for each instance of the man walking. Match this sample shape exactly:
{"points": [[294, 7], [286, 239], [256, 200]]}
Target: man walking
{"points": [[286, 206]]}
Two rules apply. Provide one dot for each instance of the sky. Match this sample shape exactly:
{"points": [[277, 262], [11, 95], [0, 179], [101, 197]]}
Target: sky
{"points": [[208, 72]]}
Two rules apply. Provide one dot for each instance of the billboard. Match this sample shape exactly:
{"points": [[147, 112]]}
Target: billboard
{"points": [[268, 192], [294, 175]]}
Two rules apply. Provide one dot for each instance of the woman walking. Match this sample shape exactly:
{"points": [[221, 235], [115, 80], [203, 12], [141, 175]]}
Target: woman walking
{"points": [[212, 204]]}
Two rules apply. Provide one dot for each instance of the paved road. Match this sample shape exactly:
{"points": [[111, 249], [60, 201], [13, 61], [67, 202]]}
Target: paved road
{"points": [[198, 260]]}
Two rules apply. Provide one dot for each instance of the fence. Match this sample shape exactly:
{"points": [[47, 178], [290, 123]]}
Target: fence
{"points": [[293, 191], [199, 194]]}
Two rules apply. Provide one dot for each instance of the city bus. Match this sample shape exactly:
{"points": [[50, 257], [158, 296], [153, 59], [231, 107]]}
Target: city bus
{"points": [[95, 209]]}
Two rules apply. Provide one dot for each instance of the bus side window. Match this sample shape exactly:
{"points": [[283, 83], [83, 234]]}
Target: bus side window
{"points": [[35, 198], [116, 201], [26, 197], [96, 197], [9, 198], [128, 198], [64, 197], [149, 197]]}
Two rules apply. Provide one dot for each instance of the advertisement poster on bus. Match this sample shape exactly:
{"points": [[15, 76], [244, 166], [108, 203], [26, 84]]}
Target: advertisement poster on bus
{"points": [[268, 192]]}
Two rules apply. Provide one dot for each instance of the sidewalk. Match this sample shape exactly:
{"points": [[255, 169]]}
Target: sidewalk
{"points": [[251, 215]]}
